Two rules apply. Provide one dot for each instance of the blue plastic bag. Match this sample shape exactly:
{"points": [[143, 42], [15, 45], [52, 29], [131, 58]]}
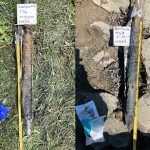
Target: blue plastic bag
{"points": [[93, 124], [3, 112]]}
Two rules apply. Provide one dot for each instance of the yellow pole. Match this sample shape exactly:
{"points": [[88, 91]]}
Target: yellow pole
{"points": [[137, 89], [19, 92]]}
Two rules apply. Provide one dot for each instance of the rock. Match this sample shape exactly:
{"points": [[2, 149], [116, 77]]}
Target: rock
{"points": [[111, 102], [144, 114], [105, 103], [98, 62], [145, 12], [146, 57], [99, 71], [102, 28], [116, 133], [103, 58], [112, 5]]}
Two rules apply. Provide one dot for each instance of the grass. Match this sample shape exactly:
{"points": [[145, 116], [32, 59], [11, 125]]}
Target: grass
{"points": [[53, 77]]}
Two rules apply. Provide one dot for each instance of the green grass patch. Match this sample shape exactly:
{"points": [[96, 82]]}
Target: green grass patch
{"points": [[53, 77]]}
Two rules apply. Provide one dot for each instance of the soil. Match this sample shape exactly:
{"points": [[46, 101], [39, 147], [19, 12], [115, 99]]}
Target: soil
{"points": [[91, 43], [100, 68]]}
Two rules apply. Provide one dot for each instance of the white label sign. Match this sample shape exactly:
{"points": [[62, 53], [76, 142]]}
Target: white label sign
{"points": [[121, 36], [26, 14]]}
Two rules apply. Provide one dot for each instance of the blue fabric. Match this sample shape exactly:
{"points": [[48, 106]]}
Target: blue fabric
{"points": [[3, 112]]}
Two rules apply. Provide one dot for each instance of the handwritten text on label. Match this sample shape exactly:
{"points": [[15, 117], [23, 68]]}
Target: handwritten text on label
{"points": [[121, 36], [26, 14]]}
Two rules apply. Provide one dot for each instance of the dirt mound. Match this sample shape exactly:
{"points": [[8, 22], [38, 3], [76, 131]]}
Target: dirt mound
{"points": [[96, 56], [144, 111], [112, 5]]}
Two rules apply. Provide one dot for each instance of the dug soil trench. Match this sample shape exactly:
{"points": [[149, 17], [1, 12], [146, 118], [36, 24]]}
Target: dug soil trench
{"points": [[100, 71]]}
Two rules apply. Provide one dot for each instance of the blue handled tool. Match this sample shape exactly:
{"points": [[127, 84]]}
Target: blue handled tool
{"points": [[4, 111]]}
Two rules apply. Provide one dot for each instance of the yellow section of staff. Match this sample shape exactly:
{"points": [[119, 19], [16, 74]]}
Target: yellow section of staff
{"points": [[19, 92], [137, 89]]}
